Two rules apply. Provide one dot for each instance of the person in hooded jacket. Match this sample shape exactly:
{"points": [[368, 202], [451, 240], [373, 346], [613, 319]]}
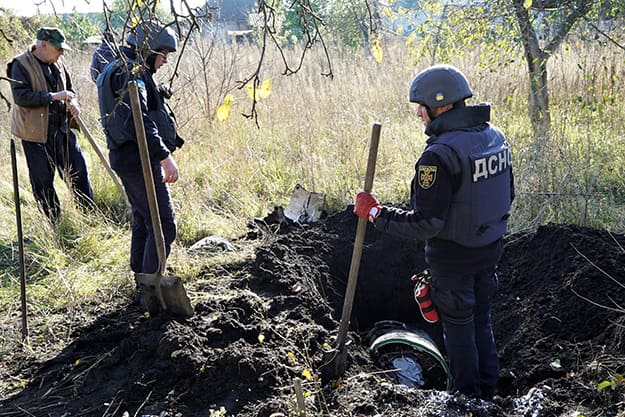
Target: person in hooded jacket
{"points": [[149, 45], [460, 201], [105, 53]]}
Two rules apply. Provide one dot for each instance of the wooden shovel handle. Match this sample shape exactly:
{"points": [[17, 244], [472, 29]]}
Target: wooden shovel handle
{"points": [[360, 237], [96, 148], [147, 175]]}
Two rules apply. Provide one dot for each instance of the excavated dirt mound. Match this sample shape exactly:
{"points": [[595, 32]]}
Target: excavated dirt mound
{"points": [[558, 322]]}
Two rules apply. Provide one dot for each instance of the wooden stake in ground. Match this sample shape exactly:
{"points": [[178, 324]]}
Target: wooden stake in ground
{"points": [[20, 241]]}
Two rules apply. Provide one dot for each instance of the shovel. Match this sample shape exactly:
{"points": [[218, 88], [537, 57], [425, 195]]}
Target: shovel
{"points": [[334, 361], [97, 150], [160, 292]]}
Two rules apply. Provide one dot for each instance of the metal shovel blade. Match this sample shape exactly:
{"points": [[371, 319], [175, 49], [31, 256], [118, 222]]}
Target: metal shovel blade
{"points": [[305, 206], [164, 292], [334, 362]]}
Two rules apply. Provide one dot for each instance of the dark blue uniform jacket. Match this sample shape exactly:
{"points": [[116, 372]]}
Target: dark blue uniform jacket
{"points": [[116, 114], [459, 211]]}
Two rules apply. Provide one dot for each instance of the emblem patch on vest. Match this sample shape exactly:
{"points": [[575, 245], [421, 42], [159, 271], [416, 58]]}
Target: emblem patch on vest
{"points": [[427, 176]]}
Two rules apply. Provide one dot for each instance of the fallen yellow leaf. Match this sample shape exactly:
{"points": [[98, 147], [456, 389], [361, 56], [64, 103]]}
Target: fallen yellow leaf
{"points": [[223, 111], [377, 51]]}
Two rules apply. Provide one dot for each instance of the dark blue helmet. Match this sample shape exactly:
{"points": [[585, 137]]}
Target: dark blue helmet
{"points": [[152, 36], [439, 85]]}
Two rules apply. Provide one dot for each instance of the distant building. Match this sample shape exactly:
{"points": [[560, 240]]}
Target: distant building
{"points": [[230, 19], [234, 14], [225, 19], [92, 42]]}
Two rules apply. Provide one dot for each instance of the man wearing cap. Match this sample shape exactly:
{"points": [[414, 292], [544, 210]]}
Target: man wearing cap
{"points": [[44, 103]]}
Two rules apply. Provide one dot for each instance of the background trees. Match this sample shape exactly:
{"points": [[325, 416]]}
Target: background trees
{"points": [[313, 129], [538, 61]]}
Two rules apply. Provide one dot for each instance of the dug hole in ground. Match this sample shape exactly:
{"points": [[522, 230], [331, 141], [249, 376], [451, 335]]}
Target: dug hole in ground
{"points": [[558, 321]]}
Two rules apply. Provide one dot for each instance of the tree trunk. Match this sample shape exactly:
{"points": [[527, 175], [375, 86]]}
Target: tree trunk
{"points": [[536, 58], [540, 117], [538, 105]]}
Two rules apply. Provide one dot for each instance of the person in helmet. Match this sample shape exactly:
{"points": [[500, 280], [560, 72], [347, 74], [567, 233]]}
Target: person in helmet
{"points": [[460, 200], [149, 45]]}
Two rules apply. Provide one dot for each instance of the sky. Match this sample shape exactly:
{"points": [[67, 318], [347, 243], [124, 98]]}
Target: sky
{"points": [[30, 7]]}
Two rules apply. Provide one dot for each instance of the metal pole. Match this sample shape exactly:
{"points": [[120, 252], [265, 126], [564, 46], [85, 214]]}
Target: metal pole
{"points": [[20, 240]]}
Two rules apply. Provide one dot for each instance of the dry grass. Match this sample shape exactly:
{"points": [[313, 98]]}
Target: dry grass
{"points": [[315, 131]]}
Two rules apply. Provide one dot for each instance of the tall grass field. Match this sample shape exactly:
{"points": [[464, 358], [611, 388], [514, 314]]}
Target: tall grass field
{"points": [[312, 130]]}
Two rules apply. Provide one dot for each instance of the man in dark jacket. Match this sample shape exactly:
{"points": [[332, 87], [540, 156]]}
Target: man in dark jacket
{"points": [[461, 196], [105, 53], [148, 47], [42, 91]]}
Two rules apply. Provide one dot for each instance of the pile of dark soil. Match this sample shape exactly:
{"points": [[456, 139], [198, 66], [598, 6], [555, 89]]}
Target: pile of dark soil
{"points": [[558, 321]]}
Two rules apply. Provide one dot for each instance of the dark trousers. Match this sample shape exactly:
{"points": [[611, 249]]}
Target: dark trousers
{"points": [[60, 153], [143, 255], [464, 302]]}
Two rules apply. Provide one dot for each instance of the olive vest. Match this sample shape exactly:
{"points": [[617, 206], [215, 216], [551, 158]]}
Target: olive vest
{"points": [[31, 123]]}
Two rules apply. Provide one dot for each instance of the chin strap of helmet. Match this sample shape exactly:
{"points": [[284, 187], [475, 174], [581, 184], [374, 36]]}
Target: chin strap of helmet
{"points": [[457, 105], [150, 61], [430, 112]]}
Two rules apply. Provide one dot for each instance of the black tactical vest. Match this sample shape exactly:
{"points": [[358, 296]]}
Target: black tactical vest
{"points": [[480, 208]]}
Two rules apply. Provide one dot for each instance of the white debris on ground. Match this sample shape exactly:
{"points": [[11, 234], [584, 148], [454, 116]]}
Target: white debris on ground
{"points": [[305, 206], [531, 404], [212, 244]]}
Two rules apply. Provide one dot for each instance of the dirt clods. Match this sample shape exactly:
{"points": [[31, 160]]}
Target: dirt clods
{"points": [[558, 319]]}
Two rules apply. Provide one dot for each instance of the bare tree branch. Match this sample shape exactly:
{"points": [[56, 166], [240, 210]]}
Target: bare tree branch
{"points": [[576, 10], [603, 33], [310, 24], [620, 284]]}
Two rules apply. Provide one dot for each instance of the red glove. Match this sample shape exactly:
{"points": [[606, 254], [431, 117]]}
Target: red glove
{"points": [[366, 206]]}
